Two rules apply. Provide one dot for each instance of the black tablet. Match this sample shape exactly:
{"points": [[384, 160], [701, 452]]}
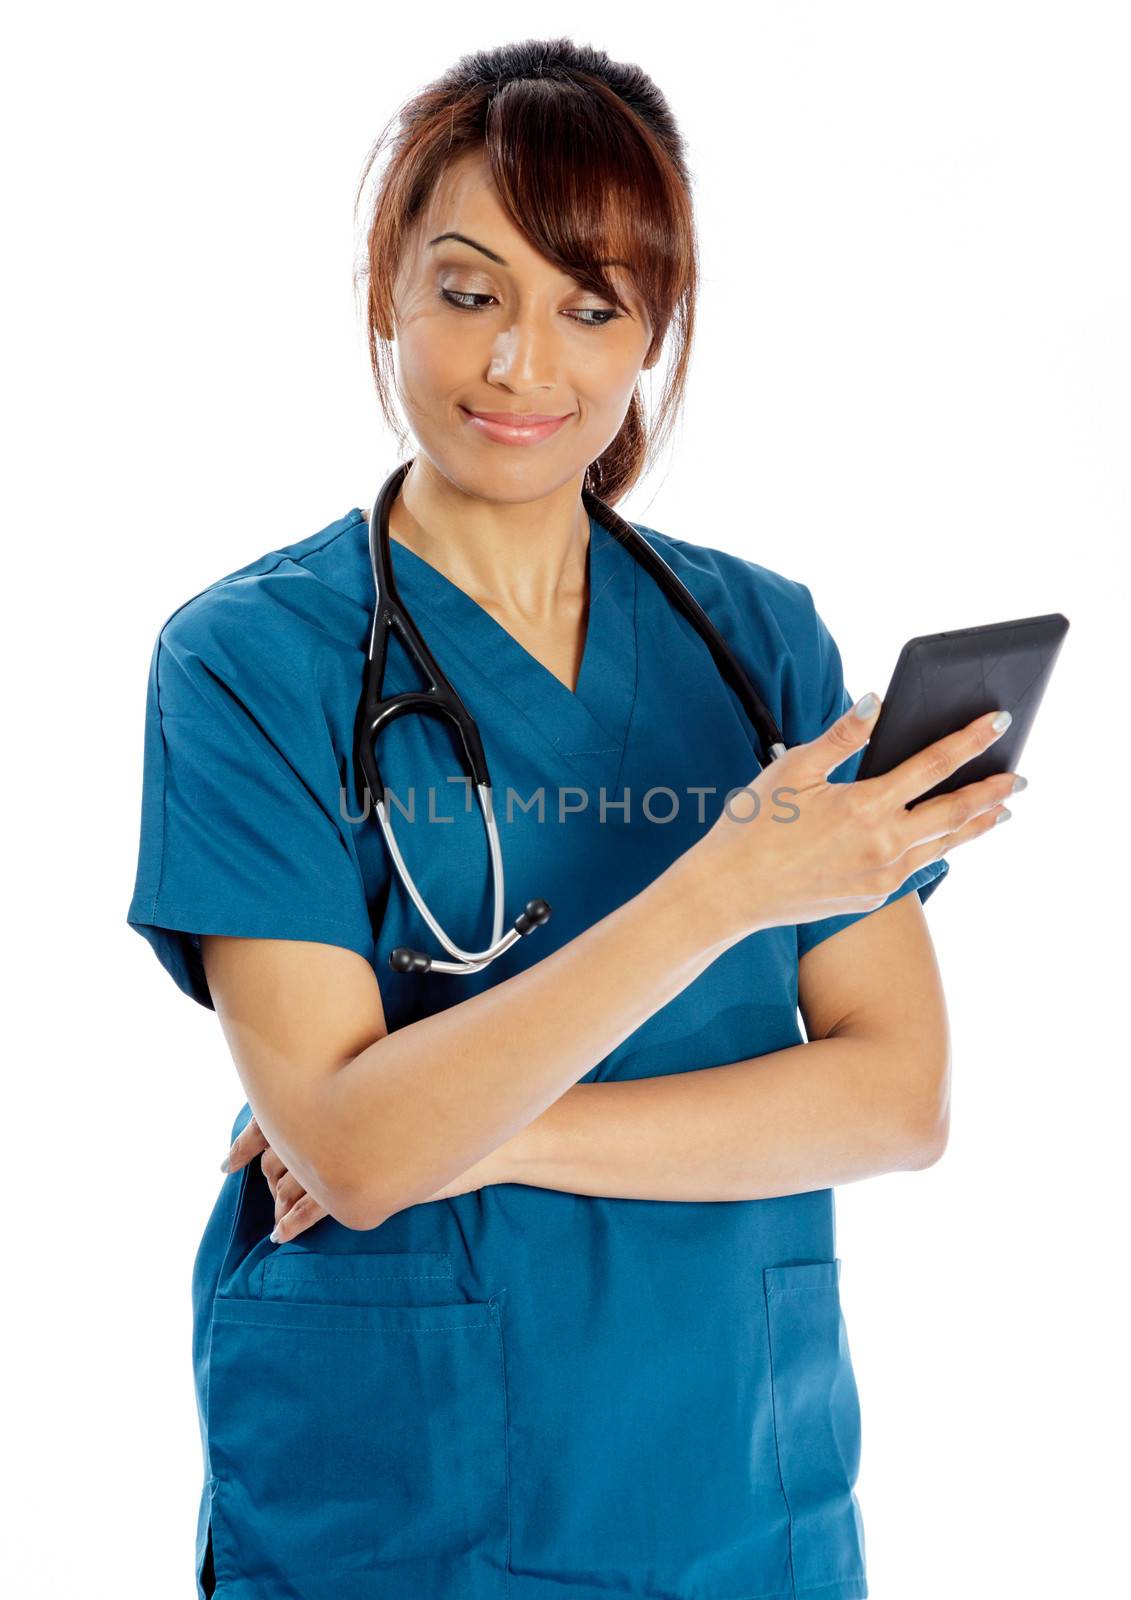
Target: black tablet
{"points": [[942, 681]]}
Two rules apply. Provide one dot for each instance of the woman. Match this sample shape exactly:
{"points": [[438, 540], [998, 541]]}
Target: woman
{"points": [[539, 1297]]}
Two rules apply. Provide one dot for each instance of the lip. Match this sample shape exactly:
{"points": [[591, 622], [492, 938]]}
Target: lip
{"points": [[505, 428]]}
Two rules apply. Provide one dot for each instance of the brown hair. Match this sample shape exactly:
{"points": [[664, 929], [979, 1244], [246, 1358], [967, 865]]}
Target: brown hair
{"points": [[588, 163]]}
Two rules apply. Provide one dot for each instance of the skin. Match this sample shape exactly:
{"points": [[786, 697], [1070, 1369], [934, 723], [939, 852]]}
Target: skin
{"points": [[356, 1123], [544, 346]]}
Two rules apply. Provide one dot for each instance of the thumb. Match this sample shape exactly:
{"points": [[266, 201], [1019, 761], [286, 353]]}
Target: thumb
{"points": [[848, 734], [248, 1144]]}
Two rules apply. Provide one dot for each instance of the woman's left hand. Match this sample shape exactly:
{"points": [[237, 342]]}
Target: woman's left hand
{"points": [[295, 1210]]}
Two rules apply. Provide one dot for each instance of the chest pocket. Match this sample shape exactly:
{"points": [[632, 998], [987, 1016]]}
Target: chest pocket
{"points": [[356, 1423]]}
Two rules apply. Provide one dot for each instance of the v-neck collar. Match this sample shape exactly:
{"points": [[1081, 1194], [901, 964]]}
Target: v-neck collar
{"points": [[588, 725]]}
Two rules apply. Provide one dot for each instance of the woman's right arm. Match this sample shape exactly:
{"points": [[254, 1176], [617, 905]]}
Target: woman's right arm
{"points": [[371, 1122]]}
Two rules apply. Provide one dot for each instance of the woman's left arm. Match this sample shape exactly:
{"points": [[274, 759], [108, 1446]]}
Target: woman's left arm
{"points": [[869, 1093]]}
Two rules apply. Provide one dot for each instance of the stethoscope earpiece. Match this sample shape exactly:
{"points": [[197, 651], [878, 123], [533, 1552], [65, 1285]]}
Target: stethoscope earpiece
{"points": [[536, 913], [404, 959]]}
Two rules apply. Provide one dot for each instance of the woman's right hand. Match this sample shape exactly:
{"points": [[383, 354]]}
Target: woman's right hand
{"points": [[823, 849]]}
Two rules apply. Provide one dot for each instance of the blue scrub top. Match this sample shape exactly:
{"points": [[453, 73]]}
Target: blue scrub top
{"points": [[517, 1392]]}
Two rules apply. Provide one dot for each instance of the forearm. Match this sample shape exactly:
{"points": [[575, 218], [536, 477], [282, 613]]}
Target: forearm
{"points": [[431, 1100], [807, 1117]]}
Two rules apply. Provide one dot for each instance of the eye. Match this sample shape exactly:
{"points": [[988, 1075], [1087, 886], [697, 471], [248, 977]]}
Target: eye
{"points": [[459, 298], [598, 311], [454, 297]]}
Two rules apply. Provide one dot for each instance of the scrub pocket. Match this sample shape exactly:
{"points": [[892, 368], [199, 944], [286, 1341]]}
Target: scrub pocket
{"points": [[816, 1424], [358, 1442]]}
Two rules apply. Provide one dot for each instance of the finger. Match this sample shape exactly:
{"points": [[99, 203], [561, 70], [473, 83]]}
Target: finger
{"points": [[947, 814], [985, 822], [935, 849], [304, 1214], [849, 733], [247, 1145], [273, 1168], [288, 1192], [937, 761]]}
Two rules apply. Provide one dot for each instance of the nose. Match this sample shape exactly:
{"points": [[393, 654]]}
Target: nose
{"points": [[524, 356]]}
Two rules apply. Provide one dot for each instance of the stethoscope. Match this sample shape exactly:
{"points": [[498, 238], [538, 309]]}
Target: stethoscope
{"points": [[441, 700]]}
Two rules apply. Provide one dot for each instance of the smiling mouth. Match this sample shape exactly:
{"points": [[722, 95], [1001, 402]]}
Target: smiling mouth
{"points": [[517, 419], [514, 427]]}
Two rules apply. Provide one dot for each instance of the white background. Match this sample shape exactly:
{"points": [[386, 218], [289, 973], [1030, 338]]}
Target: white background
{"points": [[910, 391]]}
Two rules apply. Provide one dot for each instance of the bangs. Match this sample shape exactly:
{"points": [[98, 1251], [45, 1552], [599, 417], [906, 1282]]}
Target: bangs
{"points": [[585, 184]]}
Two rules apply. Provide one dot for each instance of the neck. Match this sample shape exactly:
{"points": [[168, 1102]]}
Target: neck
{"points": [[525, 557]]}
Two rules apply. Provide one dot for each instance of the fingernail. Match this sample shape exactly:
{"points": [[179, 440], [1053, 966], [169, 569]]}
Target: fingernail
{"points": [[1003, 815], [864, 708], [226, 1164], [1001, 722], [1019, 783], [274, 1236]]}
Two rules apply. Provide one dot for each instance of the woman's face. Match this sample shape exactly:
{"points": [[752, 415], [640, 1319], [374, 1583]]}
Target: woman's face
{"points": [[478, 334]]}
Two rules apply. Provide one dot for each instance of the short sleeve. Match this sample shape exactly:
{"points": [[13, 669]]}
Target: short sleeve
{"points": [[240, 826], [821, 699]]}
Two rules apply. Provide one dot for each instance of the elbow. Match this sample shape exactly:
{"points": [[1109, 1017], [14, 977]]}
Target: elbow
{"points": [[336, 1196], [337, 1190], [926, 1148], [923, 1118], [361, 1216], [355, 1206], [365, 1180], [344, 1162], [922, 1137]]}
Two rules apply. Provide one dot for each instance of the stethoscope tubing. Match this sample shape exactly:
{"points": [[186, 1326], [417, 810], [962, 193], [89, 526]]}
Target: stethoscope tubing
{"points": [[441, 700]]}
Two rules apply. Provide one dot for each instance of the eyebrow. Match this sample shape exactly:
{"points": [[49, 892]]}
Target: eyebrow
{"points": [[492, 256]]}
